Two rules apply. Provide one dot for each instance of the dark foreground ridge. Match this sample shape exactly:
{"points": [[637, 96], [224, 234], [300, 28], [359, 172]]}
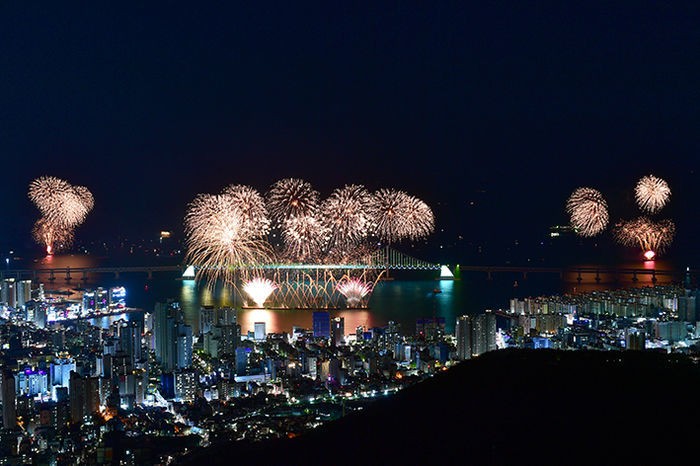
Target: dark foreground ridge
{"points": [[511, 406]]}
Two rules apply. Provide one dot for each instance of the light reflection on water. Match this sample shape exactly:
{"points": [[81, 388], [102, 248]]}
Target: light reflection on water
{"points": [[402, 301]]}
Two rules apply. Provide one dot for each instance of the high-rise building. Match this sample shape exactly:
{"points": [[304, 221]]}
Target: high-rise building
{"points": [[36, 313], [207, 319], [226, 316], [32, 383], [84, 396], [260, 331], [130, 339], [223, 339], [7, 294], [430, 327], [117, 297], [9, 400], [338, 331], [24, 292], [241, 360], [184, 346], [322, 324], [635, 340], [483, 333], [96, 300], [59, 372], [185, 385], [475, 335], [463, 333], [77, 397], [688, 309], [168, 335]]}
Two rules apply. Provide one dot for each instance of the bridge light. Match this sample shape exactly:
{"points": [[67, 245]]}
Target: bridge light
{"points": [[445, 272], [189, 272]]}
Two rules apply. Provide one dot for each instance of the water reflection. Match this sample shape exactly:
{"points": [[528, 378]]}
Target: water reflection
{"points": [[402, 301]]}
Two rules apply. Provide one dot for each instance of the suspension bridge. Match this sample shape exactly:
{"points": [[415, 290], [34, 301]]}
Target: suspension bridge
{"points": [[387, 259]]}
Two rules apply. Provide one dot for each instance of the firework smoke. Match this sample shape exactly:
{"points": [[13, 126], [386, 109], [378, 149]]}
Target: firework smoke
{"points": [[645, 233], [291, 198], [588, 211], [652, 193]]}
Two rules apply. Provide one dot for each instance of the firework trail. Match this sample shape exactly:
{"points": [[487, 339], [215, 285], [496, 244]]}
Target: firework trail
{"points": [[305, 238], [218, 241], [354, 290], [259, 289], [346, 216], [396, 215], [652, 193], [588, 211], [53, 237], [291, 198], [251, 204], [645, 233], [60, 202]]}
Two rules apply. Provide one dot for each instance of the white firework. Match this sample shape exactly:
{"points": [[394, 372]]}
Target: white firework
{"points": [[396, 215], [652, 193], [251, 205], [346, 216], [291, 198], [218, 241], [588, 211], [305, 238]]}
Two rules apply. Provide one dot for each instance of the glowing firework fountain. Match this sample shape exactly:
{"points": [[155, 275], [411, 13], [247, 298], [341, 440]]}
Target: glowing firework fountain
{"points": [[354, 291], [259, 289]]}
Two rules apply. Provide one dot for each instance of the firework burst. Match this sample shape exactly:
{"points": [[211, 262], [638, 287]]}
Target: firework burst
{"points": [[259, 289], [291, 198], [218, 240], [52, 237], [645, 233], [588, 211], [60, 202], [346, 216], [652, 193], [354, 290], [251, 205], [305, 238], [396, 215]]}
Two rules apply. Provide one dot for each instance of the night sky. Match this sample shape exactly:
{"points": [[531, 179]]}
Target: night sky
{"points": [[149, 105]]}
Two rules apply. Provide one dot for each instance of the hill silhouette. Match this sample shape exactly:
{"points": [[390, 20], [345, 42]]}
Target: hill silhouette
{"points": [[511, 406]]}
